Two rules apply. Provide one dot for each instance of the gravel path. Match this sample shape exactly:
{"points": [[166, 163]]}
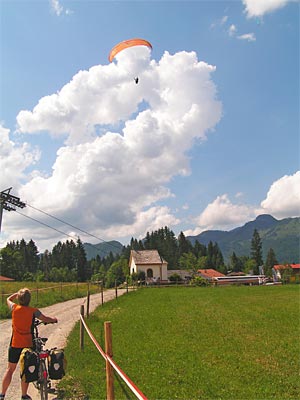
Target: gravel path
{"points": [[67, 314]]}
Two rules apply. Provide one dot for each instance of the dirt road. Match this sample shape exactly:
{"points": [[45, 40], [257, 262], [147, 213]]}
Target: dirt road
{"points": [[67, 314]]}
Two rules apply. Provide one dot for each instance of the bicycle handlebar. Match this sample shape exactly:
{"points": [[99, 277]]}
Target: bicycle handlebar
{"points": [[38, 322]]}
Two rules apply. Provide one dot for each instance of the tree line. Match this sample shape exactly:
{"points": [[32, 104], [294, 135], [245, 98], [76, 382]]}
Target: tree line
{"points": [[67, 261]]}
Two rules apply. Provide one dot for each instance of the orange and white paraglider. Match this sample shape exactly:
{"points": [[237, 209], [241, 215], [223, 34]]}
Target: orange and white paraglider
{"points": [[124, 45], [127, 43]]}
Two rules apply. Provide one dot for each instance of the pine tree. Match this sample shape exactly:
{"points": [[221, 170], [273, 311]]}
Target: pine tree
{"points": [[234, 262], [256, 251], [45, 264], [200, 250], [210, 255], [184, 245], [218, 260], [81, 262], [270, 262], [33, 257]]}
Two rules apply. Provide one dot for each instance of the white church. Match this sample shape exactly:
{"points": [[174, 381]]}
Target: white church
{"points": [[151, 263]]}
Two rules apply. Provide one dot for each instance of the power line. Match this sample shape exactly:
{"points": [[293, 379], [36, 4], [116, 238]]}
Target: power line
{"points": [[72, 226], [59, 231], [48, 226]]}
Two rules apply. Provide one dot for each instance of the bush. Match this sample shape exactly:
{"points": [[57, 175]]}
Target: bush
{"points": [[199, 281], [175, 278]]}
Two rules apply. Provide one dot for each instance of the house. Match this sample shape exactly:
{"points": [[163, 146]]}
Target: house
{"points": [[209, 274], [149, 262], [280, 268]]}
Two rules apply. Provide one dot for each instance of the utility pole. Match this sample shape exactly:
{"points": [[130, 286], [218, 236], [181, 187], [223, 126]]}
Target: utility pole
{"points": [[9, 202]]}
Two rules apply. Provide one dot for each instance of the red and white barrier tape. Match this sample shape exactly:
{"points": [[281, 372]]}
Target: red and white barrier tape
{"points": [[119, 371]]}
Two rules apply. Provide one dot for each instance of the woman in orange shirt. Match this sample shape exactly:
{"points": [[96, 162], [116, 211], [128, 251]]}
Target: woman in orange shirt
{"points": [[22, 332]]}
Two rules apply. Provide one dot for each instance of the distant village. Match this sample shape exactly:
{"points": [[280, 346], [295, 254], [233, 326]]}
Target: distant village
{"points": [[155, 269]]}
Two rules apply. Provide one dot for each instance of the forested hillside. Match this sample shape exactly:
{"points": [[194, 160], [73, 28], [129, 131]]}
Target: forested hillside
{"points": [[280, 235], [265, 241], [102, 249]]}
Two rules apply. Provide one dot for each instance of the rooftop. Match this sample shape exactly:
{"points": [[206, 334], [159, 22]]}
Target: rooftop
{"points": [[283, 266], [4, 278], [210, 273], [146, 257]]}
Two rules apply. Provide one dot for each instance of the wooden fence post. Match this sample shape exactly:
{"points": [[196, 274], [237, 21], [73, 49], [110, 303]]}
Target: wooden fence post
{"points": [[102, 300], [37, 294], [88, 304], [81, 327], [116, 289], [110, 395]]}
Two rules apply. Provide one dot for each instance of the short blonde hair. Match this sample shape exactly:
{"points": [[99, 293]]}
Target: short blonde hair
{"points": [[24, 296]]}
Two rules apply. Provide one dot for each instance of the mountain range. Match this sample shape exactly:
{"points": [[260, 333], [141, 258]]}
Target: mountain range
{"points": [[102, 249], [283, 236], [280, 235]]}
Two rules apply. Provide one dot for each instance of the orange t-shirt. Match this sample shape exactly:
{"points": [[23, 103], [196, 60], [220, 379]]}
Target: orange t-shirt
{"points": [[22, 325]]}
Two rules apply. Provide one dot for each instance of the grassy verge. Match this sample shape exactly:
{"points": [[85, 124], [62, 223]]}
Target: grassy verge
{"points": [[45, 293], [194, 343]]}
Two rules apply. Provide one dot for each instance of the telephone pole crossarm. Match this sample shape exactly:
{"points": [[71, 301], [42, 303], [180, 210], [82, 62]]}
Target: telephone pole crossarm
{"points": [[9, 202]]}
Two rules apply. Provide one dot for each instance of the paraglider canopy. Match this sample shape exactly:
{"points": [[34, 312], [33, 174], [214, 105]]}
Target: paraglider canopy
{"points": [[127, 43]]}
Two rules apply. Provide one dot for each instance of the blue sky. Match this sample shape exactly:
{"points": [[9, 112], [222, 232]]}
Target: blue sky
{"points": [[208, 138]]}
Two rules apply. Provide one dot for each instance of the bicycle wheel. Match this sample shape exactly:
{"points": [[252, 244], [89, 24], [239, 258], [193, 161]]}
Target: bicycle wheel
{"points": [[44, 382]]}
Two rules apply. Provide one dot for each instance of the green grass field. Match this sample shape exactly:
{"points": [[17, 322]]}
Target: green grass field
{"points": [[194, 343], [44, 294]]}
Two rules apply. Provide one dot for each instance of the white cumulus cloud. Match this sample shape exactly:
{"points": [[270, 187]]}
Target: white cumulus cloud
{"points": [[282, 201], [257, 8], [283, 197], [125, 141], [223, 214], [250, 37], [14, 159], [107, 95]]}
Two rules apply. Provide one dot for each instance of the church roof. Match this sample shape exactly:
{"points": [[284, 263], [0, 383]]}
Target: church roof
{"points": [[146, 257]]}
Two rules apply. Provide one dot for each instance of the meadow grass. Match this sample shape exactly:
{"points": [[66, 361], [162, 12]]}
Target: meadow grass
{"points": [[44, 294], [194, 343]]}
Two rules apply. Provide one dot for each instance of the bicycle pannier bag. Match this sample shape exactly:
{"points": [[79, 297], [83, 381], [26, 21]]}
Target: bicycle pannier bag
{"points": [[29, 365], [57, 364]]}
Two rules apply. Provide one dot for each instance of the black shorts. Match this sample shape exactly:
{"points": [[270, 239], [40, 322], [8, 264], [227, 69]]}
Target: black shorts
{"points": [[14, 354]]}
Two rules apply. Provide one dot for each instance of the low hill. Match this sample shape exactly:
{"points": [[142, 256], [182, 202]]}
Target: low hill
{"points": [[102, 249], [280, 235]]}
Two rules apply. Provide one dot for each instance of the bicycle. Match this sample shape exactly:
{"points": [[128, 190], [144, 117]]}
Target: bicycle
{"points": [[43, 384]]}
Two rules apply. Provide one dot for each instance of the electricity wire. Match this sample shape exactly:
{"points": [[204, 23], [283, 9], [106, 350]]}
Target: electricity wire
{"points": [[72, 226], [67, 223], [64, 233]]}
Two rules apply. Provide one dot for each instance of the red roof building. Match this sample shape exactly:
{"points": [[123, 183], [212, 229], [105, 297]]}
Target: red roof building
{"points": [[292, 270], [295, 267], [5, 279], [209, 273]]}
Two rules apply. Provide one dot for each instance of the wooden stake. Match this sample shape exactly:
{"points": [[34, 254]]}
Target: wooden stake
{"points": [[88, 304], [110, 395], [81, 327]]}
